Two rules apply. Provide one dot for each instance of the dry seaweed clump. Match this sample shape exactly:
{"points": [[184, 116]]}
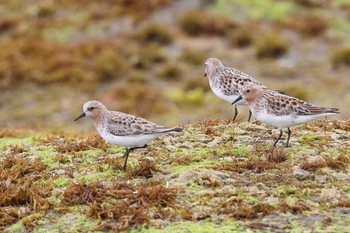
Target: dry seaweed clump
{"points": [[194, 56], [241, 37], [309, 25], [313, 3], [126, 204], [238, 209], [7, 24], [328, 125], [146, 169], [198, 22], [148, 55], [274, 159], [14, 149], [271, 45], [15, 132], [339, 162], [82, 193], [170, 72], [24, 188], [341, 57], [138, 9], [32, 61], [109, 65], [158, 33], [63, 144]]}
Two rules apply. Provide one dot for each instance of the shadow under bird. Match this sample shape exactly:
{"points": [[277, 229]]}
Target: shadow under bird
{"points": [[226, 82], [123, 129], [279, 110]]}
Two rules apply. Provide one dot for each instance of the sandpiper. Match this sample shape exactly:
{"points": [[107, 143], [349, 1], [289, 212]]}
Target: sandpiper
{"points": [[123, 129], [226, 82], [279, 110]]}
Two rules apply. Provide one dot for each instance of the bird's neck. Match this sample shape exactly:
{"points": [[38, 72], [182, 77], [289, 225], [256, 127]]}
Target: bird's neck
{"points": [[99, 119]]}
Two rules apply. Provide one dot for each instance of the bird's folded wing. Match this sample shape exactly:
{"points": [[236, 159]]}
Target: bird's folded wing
{"points": [[132, 125]]}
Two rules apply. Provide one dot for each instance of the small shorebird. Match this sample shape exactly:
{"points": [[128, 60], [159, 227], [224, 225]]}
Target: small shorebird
{"points": [[123, 129], [226, 82], [279, 110]]}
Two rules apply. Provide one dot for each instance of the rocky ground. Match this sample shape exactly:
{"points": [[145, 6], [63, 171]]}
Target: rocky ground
{"points": [[214, 176]]}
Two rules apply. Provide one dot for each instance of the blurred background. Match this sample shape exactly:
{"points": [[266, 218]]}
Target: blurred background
{"points": [[147, 57]]}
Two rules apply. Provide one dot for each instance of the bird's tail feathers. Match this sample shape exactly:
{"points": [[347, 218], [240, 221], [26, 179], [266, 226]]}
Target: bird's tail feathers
{"points": [[332, 110], [175, 129]]}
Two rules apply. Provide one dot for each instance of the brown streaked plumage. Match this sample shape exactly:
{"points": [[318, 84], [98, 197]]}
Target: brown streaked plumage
{"points": [[279, 110], [226, 82], [123, 129]]}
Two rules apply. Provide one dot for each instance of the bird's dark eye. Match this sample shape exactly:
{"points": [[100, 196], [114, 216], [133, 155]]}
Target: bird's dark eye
{"points": [[248, 90], [91, 108]]}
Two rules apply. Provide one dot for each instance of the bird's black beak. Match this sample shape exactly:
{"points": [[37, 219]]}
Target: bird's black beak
{"points": [[236, 100], [205, 75], [83, 114]]}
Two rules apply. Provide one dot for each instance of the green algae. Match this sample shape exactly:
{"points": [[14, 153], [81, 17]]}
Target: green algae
{"points": [[16, 141], [201, 226], [46, 156], [62, 181], [70, 222], [95, 176], [240, 150]]}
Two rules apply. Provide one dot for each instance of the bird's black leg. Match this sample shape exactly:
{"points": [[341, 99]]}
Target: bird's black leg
{"points": [[125, 156], [236, 113], [279, 137], [250, 115], [127, 151], [289, 132]]}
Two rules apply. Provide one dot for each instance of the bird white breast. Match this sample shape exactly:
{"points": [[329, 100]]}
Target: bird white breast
{"points": [[286, 120], [229, 98], [129, 141]]}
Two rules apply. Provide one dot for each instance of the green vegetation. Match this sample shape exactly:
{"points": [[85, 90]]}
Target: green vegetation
{"points": [[180, 182], [270, 9]]}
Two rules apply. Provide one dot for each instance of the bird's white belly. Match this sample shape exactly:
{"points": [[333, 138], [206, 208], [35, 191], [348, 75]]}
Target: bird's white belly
{"points": [[286, 120], [129, 141], [228, 98]]}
